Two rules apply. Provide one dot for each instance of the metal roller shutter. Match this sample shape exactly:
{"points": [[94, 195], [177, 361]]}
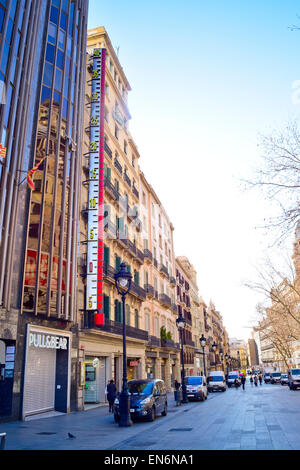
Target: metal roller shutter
{"points": [[40, 381]]}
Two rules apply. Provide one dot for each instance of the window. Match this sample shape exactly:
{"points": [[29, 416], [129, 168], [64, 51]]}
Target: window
{"points": [[116, 132], [133, 161], [125, 147], [144, 199], [136, 318]]}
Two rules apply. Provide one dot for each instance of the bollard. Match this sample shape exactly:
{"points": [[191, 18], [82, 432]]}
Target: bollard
{"points": [[3, 438]]}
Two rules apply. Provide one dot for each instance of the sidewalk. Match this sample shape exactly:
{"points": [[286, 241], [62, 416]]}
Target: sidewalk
{"points": [[93, 429]]}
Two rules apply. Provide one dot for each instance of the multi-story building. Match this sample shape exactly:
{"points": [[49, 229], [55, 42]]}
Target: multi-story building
{"points": [[219, 337], [122, 241], [42, 57], [238, 353], [184, 309], [253, 352], [158, 279], [196, 312]]}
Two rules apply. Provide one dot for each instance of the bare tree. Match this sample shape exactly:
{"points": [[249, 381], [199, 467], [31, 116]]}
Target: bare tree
{"points": [[279, 178]]}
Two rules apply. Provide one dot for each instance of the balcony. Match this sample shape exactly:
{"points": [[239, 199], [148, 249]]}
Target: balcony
{"points": [[165, 300], [188, 320], [156, 294], [155, 262], [121, 238], [135, 191], [114, 327], [174, 308], [127, 179], [118, 166], [110, 189], [110, 229], [107, 150], [138, 291], [188, 342], [168, 343], [109, 272], [139, 256], [153, 341], [164, 270], [172, 281], [147, 255], [131, 247], [149, 290]]}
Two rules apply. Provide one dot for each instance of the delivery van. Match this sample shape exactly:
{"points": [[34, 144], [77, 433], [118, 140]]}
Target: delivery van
{"points": [[216, 381], [231, 378]]}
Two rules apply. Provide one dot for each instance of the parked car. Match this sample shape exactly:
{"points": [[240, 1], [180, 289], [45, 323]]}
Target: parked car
{"points": [[284, 379], [148, 399], [294, 378], [275, 377], [267, 378], [196, 387], [231, 378], [216, 381]]}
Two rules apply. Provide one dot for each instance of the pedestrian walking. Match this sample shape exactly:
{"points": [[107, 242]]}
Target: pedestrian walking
{"points": [[260, 380], [251, 380], [255, 381], [243, 381], [236, 383], [177, 393], [111, 395]]}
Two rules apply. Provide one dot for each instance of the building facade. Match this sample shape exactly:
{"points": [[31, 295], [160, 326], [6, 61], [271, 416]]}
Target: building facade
{"points": [[158, 274], [42, 56]]}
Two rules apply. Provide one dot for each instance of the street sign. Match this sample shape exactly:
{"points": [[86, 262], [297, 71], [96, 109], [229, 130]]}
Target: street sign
{"points": [[96, 184]]}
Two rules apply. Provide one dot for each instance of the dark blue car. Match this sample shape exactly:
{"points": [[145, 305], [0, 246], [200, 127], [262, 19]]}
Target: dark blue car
{"points": [[148, 399]]}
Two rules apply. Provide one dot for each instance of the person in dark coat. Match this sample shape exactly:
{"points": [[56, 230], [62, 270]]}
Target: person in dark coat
{"points": [[111, 395], [255, 381], [243, 379], [260, 379], [236, 383]]}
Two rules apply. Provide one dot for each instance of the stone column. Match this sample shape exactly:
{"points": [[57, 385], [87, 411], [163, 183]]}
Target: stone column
{"points": [[168, 375], [157, 368]]}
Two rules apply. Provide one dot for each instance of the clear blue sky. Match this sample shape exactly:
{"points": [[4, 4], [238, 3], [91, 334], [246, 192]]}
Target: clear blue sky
{"points": [[207, 77]]}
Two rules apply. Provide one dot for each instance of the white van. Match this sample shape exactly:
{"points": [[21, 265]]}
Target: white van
{"points": [[231, 378], [294, 378], [216, 381]]}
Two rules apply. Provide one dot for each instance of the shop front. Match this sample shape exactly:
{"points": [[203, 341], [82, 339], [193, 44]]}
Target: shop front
{"points": [[96, 378], [7, 365], [133, 366], [47, 371], [150, 367]]}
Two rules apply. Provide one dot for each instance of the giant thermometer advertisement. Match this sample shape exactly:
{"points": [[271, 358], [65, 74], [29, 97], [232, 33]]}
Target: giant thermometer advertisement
{"points": [[96, 182]]}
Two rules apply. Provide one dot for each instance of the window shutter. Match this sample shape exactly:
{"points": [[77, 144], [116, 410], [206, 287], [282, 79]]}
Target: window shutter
{"points": [[108, 173], [106, 305]]}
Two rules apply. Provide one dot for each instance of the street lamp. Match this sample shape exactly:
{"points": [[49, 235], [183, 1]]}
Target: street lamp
{"points": [[123, 283], [203, 343], [180, 322], [214, 347], [221, 356], [226, 360]]}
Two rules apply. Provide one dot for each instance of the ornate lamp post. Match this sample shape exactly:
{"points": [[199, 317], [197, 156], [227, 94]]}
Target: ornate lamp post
{"points": [[221, 356], [214, 347], [203, 343], [227, 361], [123, 283], [180, 322]]}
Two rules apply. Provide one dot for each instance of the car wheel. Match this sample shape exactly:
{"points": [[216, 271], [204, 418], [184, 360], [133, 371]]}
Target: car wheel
{"points": [[152, 414], [164, 413]]}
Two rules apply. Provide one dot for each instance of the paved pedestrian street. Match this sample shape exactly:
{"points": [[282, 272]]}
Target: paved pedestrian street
{"points": [[265, 417]]}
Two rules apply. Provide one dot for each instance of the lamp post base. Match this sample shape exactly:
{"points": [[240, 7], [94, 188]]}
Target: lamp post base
{"points": [[124, 406]]}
